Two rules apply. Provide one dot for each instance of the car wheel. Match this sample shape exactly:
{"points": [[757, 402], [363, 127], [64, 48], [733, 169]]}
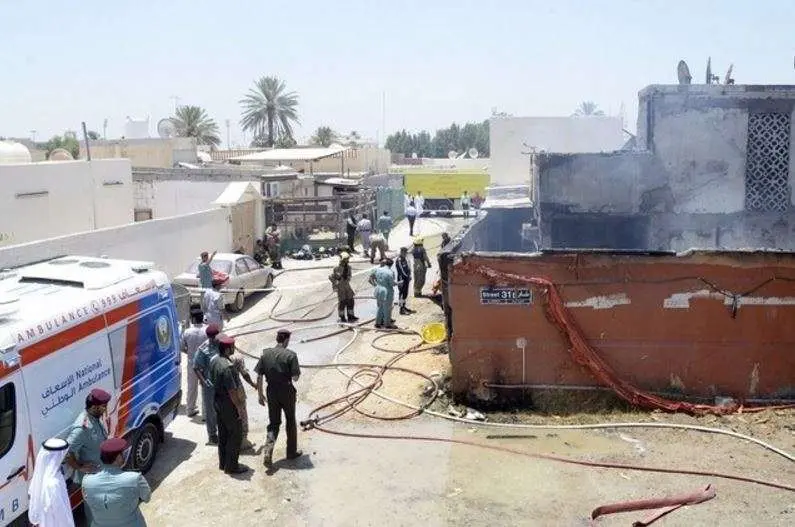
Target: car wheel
{"points": [[240, 301], [144, 448]]}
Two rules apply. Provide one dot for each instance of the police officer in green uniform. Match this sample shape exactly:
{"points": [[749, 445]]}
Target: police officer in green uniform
{"points": [[86, 435], [201, 366], [280, 368], [113, 495], [228, 406]]}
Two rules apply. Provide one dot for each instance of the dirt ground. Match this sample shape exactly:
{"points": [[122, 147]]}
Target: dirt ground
{"points": [[358, 481]]}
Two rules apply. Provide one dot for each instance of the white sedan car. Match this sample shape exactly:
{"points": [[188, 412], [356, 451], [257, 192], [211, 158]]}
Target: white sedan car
{"points": [[245, 277]]}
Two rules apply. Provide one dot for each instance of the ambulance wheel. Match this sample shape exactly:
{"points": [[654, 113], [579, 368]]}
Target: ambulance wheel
{"points": [[240, 301], [144, 447]]}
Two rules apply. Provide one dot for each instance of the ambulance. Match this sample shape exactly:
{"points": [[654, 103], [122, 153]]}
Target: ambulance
{"points": [[72, 324]]}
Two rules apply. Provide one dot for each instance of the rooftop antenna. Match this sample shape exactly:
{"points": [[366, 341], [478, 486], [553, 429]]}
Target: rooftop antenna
{"points": [[729, 79], [684, 73], [711, 79]]}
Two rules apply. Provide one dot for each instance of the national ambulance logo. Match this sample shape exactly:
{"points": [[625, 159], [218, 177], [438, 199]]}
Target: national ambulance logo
{"points": [[163, 330]]}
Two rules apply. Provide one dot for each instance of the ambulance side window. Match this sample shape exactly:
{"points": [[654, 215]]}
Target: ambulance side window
{"points": [[8, 418]]}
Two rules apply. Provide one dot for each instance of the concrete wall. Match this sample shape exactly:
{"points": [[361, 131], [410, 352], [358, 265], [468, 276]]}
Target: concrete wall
{"points": [[685, 187], [153, 153], [645, 316], [173, 198], [511, 136], [42, 200], [172, 243]]}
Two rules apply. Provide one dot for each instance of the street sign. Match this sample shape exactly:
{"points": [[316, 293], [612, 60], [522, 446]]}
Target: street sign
{"points": [[505, 295]]}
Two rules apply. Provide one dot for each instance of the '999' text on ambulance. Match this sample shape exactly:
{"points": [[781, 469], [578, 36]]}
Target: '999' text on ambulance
{"points": [[67, 326]]}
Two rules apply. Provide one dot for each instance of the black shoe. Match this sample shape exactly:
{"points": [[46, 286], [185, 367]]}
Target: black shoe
{"points": [[342, 320], [296, 455], [240, 469], [379, 326], [193, 413], [267, 459], [390, 326], [352, 318], [405, 311], [212, 441]]}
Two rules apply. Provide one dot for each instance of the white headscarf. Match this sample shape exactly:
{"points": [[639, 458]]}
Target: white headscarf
{"points": [[49, 499]]}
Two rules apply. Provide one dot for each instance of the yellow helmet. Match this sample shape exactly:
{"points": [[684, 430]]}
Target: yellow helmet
{"points": [[418, 241]]}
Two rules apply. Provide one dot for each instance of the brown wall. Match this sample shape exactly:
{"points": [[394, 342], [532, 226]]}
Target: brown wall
{"points": [[650, 336]]}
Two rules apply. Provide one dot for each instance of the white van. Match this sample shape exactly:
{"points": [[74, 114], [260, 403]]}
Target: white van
{"points": [[67, 326]]}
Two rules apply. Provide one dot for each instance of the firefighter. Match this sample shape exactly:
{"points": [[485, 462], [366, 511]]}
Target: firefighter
{"points": [[421, 265], [341, 284]]}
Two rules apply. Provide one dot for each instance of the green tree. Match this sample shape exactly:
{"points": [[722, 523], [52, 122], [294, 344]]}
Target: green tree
{"points": [[269, 110], [94, 136], [455, 137], [587, 108], [353, 140], [285, 141], [68, 141], [193, 121], [324, 136]]}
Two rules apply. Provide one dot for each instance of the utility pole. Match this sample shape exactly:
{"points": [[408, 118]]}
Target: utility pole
{"points": [[33, 135], [176, 103], [383, 115], [105, 129], [228, 142]]}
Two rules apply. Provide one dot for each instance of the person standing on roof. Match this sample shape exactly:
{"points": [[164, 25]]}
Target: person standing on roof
{"points": [[421, 265], [113, 495], [214, 305], [341, 284], [228, 406], [273, 239], [385, 225], [201, 366], [279, 366], [411, 216], [205, 272], [191, 339], [350, 231], [384, 281], [365, 228], [86, 434], [403, 280], [465, 202]]}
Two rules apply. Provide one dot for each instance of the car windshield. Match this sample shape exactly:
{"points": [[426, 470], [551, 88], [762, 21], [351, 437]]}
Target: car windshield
{"points": [[222, 266]]}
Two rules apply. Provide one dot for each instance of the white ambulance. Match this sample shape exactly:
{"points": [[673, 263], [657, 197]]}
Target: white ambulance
{"points": [[72, 324]]}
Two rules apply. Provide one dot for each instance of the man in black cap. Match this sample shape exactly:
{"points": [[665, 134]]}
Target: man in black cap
{"points": [[280, 368], [228, 407], [112, 495], [86, 435]]}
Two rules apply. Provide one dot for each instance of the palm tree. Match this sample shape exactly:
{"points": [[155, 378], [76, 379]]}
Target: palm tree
{"points": [[193, 121], [353, 139], [269, 110], [587, 108], [324, 136]]}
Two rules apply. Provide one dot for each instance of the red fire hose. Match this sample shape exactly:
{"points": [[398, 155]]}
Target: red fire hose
{"points": [[665, 505]]}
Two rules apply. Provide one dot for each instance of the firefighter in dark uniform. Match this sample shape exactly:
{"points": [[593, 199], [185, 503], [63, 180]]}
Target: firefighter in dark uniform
{"points": [[228, 407], [280, 368]]}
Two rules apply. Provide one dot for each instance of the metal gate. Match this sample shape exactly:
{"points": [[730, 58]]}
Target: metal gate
{"points": [[243, 226]]}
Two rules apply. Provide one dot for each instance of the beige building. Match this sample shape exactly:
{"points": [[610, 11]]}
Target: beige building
{"points": [[148, 153], [331, 160]]}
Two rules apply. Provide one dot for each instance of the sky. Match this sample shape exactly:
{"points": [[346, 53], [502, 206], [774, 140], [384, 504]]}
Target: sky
{"points": [[369, 65]]}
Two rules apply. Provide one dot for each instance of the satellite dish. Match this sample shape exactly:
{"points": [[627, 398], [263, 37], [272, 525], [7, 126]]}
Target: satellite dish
{"points": [[60, 154], [473, 152], [683, 72], [166, 128], [728, 78], [452, 154]]}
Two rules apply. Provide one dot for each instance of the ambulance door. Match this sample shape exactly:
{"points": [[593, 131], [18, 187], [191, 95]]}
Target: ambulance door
{"points": [[16, 446]]}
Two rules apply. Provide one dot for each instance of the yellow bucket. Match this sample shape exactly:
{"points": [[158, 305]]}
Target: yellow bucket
{"points": [[434, 333]]}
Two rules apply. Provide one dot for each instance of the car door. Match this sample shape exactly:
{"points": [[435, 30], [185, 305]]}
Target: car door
{"points": [[16, 446], [259, 274], [243, 274]]}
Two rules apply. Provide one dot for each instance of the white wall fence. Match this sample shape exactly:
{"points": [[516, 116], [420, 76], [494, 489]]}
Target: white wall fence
{"points": [[171, 242]]}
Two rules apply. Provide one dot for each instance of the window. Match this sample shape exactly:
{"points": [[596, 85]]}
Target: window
{"points": [[240, 266], [8, 418], [272, 189], [143, 214], [252, 265], [221, 266], [767, 186]]}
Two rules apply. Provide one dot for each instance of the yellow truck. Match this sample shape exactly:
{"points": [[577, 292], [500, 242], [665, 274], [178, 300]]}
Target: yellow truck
{"points": [[442, 188]]}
